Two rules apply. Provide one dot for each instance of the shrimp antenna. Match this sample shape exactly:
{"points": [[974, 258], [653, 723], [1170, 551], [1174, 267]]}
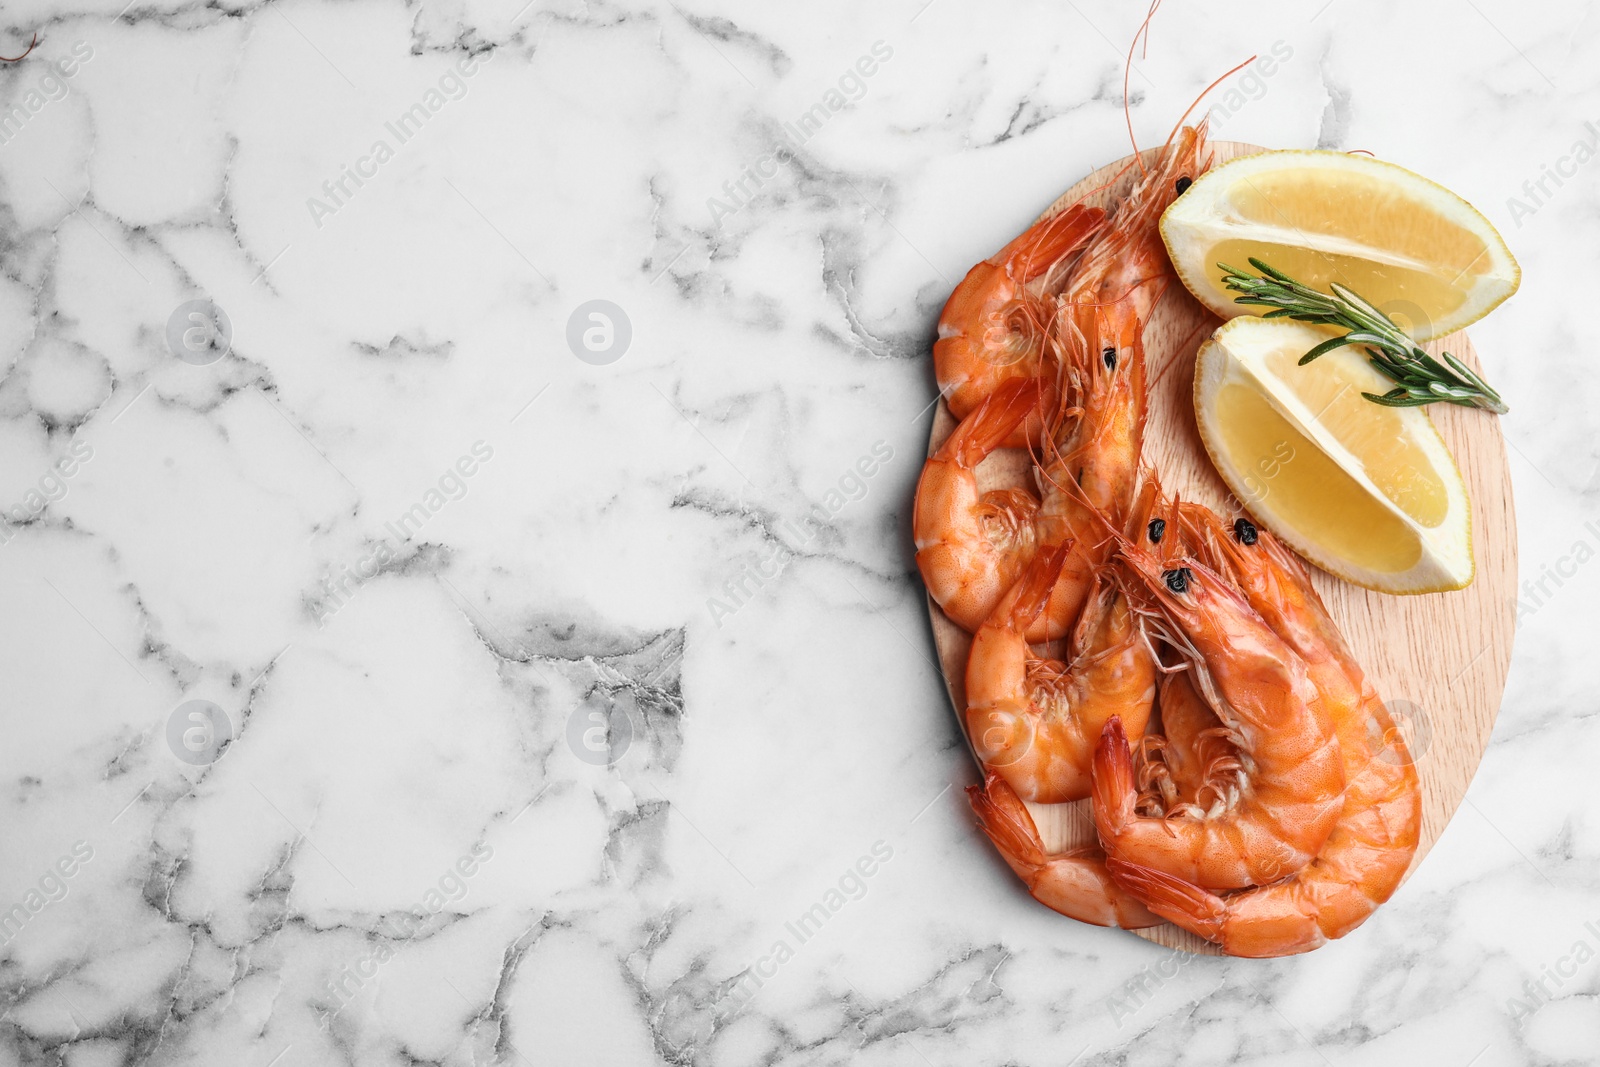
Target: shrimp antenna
{"points": [[1127, 68], [17, 59], [1203, 94], [1183, 346]]}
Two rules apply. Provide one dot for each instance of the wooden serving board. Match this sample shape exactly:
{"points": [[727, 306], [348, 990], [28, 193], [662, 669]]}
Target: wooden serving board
{"points": [[1438, 660]]}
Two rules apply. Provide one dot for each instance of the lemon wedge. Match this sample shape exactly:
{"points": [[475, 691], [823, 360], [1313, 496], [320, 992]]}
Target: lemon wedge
{"points": [[1420, 253], [1366, 492]]}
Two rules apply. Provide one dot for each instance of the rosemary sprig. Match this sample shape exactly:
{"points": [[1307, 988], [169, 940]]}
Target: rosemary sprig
{"points": [[1419, 378]]}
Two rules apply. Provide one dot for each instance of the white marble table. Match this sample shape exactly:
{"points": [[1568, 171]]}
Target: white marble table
{"points": [[578, 695]]}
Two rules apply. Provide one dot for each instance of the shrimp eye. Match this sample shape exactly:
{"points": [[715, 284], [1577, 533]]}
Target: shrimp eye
{"points": [[1182, 184], [1244, 531], [1158, 530], [1178, 580], [1110, 357]]}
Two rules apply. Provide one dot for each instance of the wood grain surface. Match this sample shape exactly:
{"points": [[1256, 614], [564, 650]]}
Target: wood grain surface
{"points": [[1438, 660]]}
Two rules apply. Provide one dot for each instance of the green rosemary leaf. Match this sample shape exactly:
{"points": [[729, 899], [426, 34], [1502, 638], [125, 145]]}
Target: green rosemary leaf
{"points": [[1399, 398], [1419, 378], [1327, 346]]}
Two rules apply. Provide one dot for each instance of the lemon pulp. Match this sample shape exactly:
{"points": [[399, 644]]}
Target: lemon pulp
{"points": [[1376, 435], [1307, 489], [1364, 208]]}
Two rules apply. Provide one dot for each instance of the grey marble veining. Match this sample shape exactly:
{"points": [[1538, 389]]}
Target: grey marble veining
{"points": [[405, 671]]}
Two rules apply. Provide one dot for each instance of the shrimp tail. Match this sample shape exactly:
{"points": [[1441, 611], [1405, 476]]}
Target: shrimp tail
{"points": [[1006, 820], [1116, 790], [1195, 909], [987, 428], [1074, 883], [1032, 593]]}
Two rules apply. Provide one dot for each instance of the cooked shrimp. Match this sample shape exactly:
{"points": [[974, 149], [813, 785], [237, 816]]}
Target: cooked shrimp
{"points": [[972, 546], [1098, 335], [1096, 341], [1035, 721], [1075, 882], [1370, 848], [1260, 689], [1091, 476], [1188, 761], [1097, 346], [992, 329], [976, 551], [1101, 450], [1110, 294]]}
